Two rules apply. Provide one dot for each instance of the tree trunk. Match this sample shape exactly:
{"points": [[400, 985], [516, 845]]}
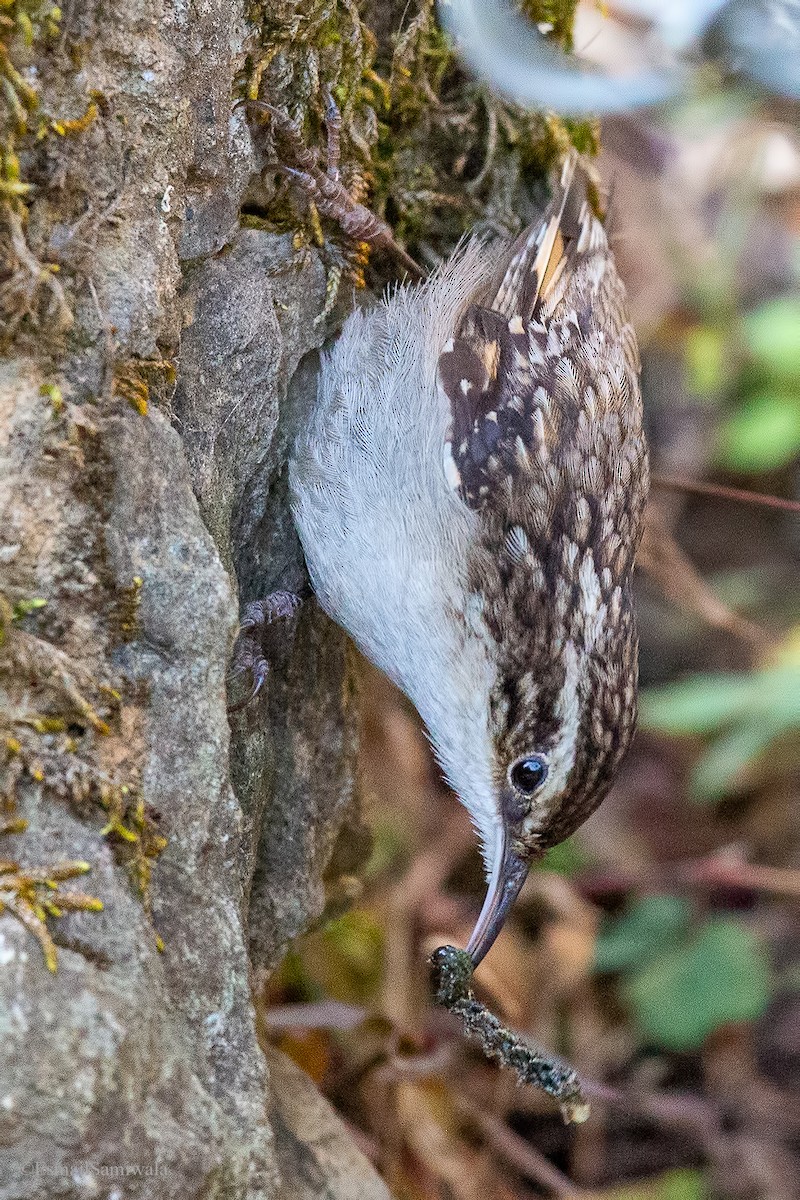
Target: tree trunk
{"points": [[146, 406]]}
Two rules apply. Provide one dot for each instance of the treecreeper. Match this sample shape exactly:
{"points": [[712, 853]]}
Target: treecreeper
{"points": [[469, 492]]}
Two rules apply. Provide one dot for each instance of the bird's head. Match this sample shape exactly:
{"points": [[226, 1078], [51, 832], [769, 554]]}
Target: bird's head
{"points": [[560, 712]]}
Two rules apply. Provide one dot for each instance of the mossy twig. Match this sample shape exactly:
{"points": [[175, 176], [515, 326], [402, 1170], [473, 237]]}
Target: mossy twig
{"points": [[451, 971]]}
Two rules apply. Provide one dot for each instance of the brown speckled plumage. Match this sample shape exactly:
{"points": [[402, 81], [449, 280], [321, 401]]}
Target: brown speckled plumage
{"points": [[547, 445]]}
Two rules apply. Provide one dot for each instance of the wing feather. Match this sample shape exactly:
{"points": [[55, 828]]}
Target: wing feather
{"points": [[521, 370]]}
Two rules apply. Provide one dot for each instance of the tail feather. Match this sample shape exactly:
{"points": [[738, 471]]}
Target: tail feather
{"points": [[540, 254]]}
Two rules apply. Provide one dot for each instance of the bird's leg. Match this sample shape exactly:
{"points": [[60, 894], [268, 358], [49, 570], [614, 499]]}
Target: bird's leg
{"points": [[249, 653], [325, 188]]}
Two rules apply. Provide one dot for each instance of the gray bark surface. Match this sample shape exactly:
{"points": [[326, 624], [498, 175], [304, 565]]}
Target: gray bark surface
{"points": [[133, 1071]]}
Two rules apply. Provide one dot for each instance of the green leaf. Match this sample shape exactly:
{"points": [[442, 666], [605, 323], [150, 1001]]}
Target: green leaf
{"points": [[700, 704], [354, 946], [746, 712], [681, 1184], [705, 360], [641, 933], [764, 433], [707, 703], [567, 858], [772, 336], [719, 975], [722, 770], [390, 848], [746, 588]]}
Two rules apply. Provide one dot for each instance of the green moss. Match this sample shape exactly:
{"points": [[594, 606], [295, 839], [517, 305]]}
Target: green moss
{"points": [[31, 295], [62, 749], [137, 380], [560, 14], [452, 157], [135, 836], [34, 894], [56, 397], [42, 749], [31, 290], [24, 607], [127, 614]]}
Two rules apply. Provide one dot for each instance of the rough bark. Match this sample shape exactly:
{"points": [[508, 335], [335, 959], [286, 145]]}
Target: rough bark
{"points": [[134, 1071]]}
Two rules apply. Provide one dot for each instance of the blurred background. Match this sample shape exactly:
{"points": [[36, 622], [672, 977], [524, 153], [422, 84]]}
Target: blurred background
{"points": [[657, 949]]}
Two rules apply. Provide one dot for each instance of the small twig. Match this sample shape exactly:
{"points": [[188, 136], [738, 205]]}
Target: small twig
{"points": [[518, 1153], [327, 1014], [722, 870], [414, 1066], [475, 184], [712, 871], [664, 561], [675, 483], [452, 975]]}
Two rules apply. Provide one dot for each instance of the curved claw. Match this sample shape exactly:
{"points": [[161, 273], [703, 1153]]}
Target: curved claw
{"points": [[260, 670], [250, 656], [277, 606]]}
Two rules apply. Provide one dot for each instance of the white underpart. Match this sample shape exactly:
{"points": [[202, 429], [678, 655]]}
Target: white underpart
{"points": [[386, 535]]}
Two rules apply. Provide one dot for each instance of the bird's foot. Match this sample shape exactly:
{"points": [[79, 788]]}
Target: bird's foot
{"points": [[324, 188], [249, 656]]}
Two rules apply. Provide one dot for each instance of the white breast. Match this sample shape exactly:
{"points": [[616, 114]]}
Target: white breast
{"points": [[386, 538]]}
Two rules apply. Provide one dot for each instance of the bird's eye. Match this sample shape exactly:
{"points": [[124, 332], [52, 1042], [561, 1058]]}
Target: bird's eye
{"points": [[529, 774]]}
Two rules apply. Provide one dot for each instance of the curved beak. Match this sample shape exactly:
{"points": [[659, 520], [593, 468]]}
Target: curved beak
{"points": [[509, 873]]}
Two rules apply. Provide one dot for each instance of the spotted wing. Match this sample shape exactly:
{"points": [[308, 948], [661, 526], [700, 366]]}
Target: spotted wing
{"points": [[515, 371]]}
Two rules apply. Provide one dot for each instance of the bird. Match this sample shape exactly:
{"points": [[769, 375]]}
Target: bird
{"points": [[468, 488]]}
